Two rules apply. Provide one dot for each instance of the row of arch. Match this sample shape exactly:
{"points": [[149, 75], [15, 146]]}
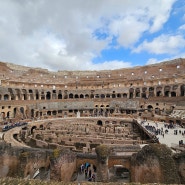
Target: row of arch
{"points": [[144, 92]]}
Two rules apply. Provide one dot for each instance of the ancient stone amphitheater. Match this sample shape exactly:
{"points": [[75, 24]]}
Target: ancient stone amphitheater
{"points": [[155, 91], [80, 110]]}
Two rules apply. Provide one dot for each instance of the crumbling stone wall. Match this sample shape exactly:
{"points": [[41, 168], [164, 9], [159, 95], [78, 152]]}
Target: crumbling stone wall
{"points": [[180, 163], [24, 162], [154, 164]]}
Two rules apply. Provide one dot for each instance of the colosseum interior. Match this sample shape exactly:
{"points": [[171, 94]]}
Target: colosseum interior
{"points": [[80, 110], [154, 91]]}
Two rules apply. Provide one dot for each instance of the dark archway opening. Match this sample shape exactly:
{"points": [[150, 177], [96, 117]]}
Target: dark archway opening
{"points": [[99, 122]]}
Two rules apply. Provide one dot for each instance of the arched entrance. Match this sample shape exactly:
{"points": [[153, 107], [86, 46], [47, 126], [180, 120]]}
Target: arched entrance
{"points": [[118, 173], [99, 122], [86, 172], [34, 127]]}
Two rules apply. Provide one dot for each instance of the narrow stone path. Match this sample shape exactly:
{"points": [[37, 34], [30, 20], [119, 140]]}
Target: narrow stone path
{"points": [[8, 137]]}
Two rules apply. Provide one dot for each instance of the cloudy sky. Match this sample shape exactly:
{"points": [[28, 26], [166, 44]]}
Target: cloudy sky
{"points": [[91, 34]]}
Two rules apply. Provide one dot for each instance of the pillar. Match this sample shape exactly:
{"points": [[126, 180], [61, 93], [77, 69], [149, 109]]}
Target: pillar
{"points": [[102, 152]]}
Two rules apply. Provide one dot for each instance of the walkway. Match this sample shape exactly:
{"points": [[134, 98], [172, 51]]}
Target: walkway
{"points": [[8, 137], [170, 139]]}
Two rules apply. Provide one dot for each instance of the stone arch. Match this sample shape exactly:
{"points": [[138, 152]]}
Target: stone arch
{"points": [[41, 127], [15, 111], [120, 173], [124, 95], [173, 94], [42, 95], [22, 110], [159, 91], [113, 95], [99, 122], [178, 122], [137, 92], [102, 96], [18, 93], [59, 96], [76, 96], [182, 90], [157, 111], [48, 95], [81, 96], [107, 95], [150, 108], [54, 112], [92, 165], [86, 96], [6, 97], [24, 93], [97, 96], [32, 113], [131, 93], [12, 95], [92, 96], [107, 122], [65, 94], [144, 89], [31, 94], [54, 94], [118, 95], [36, 94], [174, 87], [71, 96], [60, 112], [8, 114], [114, 122], [167, 91], [32, 128], [37, 114], [151, 91]]}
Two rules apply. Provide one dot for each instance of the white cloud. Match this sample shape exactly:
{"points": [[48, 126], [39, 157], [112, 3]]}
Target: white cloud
{"points": [[155, 60], [182, 27], [59, 34], [128, 29], [164, 44], [159, 13]]}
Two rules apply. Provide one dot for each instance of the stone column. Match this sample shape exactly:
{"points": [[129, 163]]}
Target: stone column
{"points": [[102, 152]]}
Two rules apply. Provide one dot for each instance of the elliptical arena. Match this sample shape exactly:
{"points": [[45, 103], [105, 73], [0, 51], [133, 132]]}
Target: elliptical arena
{"points": [[80, 110]]}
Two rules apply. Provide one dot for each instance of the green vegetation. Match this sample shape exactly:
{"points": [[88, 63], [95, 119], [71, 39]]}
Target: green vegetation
{"points": [[56, 153], [103, 151]]}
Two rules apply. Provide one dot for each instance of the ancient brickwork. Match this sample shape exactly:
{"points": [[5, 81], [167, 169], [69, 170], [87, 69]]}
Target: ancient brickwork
{"points": [[36, 93], [94, 108]]}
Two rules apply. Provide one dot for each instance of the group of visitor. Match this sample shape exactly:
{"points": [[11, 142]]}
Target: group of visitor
{"points": [[87, 170], [164, 130], [7, 125]]}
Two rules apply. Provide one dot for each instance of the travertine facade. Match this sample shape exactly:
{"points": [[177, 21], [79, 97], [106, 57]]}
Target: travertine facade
{"points": [[154, 92]]}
